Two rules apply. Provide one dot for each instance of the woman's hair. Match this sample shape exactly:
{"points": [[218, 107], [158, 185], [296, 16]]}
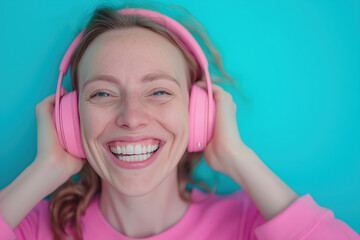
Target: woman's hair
{"points": [[70, 201]]}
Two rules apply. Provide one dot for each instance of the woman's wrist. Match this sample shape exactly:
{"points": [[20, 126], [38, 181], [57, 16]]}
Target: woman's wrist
{"points": [[270, 194], [241, 158], [55, 174]]}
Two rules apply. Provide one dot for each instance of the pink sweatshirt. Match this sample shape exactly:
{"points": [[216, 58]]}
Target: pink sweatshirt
{"points": [[228, 217]]}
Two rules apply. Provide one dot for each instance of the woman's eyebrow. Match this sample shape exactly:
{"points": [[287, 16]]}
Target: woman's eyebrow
{"points": [[147, 78], [101, 77], [154, 76]]}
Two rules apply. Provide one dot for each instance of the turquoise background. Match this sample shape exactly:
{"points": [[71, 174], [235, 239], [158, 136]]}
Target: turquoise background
{"points": [[297, 61]]}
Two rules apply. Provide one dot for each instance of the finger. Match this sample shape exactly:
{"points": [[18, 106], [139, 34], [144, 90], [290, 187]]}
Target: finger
{"points": [[219, 94], [45, 108], [203, 85], [44, 112]]}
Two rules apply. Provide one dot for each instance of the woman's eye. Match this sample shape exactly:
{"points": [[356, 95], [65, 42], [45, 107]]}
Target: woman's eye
{"points": [[100, 94], [160, 92], [101, 97]]}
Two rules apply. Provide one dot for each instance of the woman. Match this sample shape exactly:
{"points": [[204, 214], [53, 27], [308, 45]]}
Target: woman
{"points": [[133, 78]]}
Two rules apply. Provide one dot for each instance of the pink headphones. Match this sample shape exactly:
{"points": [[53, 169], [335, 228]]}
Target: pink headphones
{"points": [[201, 106]]}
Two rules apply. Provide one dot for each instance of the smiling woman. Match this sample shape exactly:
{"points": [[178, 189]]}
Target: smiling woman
{"points": [[140, 117]]}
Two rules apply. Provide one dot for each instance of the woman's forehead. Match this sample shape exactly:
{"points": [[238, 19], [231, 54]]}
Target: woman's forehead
{"points": [[131, 51]]}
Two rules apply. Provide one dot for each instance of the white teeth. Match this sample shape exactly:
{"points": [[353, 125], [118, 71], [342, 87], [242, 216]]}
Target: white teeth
{"points": [[135, 158], [131, 149], [114, 150], [138, 149]]}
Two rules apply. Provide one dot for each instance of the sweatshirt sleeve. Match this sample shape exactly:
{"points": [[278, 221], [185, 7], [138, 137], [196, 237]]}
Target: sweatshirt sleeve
{"points": [[6, 232], [304, 219], [34, 226]]}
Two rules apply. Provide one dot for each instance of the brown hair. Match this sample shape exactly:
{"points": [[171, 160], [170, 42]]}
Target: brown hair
{"points": [[69, 202]]}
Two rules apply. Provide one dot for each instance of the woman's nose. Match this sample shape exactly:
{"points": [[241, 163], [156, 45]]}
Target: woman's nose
{"points": [[132, 114]]}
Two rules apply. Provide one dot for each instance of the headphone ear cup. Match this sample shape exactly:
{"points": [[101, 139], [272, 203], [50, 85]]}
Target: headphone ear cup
{"points": [[198, 119], [70, 125]]}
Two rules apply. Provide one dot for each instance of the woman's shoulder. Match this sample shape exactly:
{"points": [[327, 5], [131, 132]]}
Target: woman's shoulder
{"points": [[234, 213], [40, 211], [238, 197], [42, 206], [36, 224], [235, 205]]}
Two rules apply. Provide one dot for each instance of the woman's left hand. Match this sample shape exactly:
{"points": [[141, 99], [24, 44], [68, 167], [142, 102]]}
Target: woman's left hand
{"points": [[226, 146]]}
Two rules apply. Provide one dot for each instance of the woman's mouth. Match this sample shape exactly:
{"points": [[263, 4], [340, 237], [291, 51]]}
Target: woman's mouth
{"points": [[134, 154]]}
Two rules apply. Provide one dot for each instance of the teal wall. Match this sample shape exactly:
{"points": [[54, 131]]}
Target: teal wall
{"points": [[297, 61]]}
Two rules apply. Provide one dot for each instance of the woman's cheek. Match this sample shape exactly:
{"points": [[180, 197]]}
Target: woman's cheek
{"points": [[174, 117], [93, 120]]}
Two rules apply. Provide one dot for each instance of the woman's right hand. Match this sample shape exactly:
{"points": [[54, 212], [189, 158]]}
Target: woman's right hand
{"points": [[49, 151], [52, 167]]}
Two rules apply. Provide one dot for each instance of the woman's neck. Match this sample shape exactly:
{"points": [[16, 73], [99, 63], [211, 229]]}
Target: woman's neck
{"points": [[147, 215]]}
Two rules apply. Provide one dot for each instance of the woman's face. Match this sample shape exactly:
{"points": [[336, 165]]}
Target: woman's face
{"points": [[133, 107]]}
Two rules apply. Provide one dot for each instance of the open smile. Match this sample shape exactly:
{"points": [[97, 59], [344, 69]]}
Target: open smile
{"points": [[133, 155]]}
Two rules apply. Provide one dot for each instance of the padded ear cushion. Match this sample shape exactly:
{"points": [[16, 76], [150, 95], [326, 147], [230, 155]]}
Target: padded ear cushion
{"points": [[70, 125], [198, 119]]}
